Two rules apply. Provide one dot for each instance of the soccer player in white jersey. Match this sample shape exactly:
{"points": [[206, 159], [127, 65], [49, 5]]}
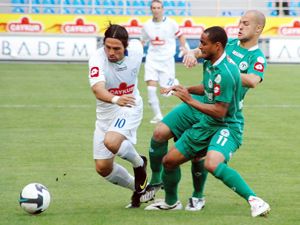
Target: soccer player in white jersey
{"points": [[161, 33], [113, 71]]}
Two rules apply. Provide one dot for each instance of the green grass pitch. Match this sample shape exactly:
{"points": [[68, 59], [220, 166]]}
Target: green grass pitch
{"points": [[47, 115]]}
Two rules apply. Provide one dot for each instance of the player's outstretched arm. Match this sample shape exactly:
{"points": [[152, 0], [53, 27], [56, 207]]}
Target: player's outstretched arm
{"points": [[190, 57]]}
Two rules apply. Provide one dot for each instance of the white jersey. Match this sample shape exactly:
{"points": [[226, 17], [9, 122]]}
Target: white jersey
{"points": [[120, 78], [161, 37]]}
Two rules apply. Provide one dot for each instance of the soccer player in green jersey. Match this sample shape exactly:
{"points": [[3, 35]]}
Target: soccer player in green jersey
{"points": [[251, 61], [218, 134]]}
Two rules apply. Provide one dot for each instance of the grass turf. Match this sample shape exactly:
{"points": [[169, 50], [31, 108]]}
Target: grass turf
{"points": [[47, 121]]}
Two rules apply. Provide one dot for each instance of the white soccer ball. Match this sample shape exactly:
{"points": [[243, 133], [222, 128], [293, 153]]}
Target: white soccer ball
{"points": [[34, 198]]}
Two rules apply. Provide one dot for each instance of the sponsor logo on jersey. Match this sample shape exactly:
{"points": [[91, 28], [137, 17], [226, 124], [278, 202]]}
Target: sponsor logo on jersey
{"points": [[217, 89], [259, 67], [157, 41], [243, 66], [123, 89], [210, 96], [237, 54], [218, 79], [94, 72], [25, 25]]}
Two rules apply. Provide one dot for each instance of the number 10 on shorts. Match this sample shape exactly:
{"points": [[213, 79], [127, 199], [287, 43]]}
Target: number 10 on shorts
{"points": [[120, 123]]}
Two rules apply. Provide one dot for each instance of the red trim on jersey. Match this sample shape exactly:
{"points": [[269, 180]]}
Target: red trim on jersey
{"points": [[259, 67], [217, 89], [94, 72], [178, 33]]}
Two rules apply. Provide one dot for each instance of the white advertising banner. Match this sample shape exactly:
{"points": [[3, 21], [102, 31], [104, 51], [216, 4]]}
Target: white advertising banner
{"points": [[284, 50], [46, 48]]}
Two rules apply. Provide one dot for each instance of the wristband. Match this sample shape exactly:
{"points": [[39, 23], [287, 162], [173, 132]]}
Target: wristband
{"points": [[115, 99]]}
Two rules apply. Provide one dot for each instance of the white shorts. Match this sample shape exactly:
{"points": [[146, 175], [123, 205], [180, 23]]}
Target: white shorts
{"points": [[163, 72], [126, 122]]}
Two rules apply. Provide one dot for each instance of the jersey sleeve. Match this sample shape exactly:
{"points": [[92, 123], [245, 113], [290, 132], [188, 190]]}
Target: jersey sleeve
{"points": [[177, 32], [257, 65], [96, 68], [144, 37]]}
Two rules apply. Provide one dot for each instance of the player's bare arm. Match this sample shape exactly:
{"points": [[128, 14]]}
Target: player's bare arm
{"points": [[196, 90], [102, 94], [182, 43], [191, 56], [250, 80], [217, 110]]}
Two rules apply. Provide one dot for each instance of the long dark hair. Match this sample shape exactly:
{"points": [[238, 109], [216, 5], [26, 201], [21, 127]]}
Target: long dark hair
{"points": [[118, 32]]}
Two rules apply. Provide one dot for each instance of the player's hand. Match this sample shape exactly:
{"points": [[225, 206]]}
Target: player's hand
{"points": [[182, 51], [189, 59], [182, 93], [126, 100], [166, 91]]}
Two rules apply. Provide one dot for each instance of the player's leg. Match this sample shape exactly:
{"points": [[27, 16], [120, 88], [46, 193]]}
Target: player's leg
{"points": [[120, 140], [151, 79], [173, 124], [171, 177], [183, 151], [221, 148], [199, 176], [105, 166]]}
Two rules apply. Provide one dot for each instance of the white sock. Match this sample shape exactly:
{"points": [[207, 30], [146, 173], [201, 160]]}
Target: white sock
{"points": [[120, 176], [128, 152], [154, 101]]}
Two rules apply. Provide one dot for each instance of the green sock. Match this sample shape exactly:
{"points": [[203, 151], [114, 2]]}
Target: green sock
{"points": [[156, 153], [199, 175], [233, 180], [171, 180]]}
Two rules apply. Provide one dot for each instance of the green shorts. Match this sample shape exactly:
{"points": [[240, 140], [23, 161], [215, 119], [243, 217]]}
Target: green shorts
{"points": [[196, 141], [182, 117]]}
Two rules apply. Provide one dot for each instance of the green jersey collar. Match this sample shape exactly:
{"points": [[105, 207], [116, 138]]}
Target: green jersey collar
{"points": [[253, 48], [220, 59]]}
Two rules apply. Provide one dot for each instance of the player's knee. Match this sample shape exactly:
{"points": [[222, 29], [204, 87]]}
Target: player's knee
{"points": [[103, 169], [210, 164], [168, 164], [111, 145], [161, 133]]}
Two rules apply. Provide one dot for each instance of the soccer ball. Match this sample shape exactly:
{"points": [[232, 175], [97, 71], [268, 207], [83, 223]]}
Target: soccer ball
{"points": [[34, 198]]}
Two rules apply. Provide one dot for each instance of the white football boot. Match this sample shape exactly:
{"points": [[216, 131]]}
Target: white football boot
{"points": [[162, 205], [195, 204], [258, 206]]}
